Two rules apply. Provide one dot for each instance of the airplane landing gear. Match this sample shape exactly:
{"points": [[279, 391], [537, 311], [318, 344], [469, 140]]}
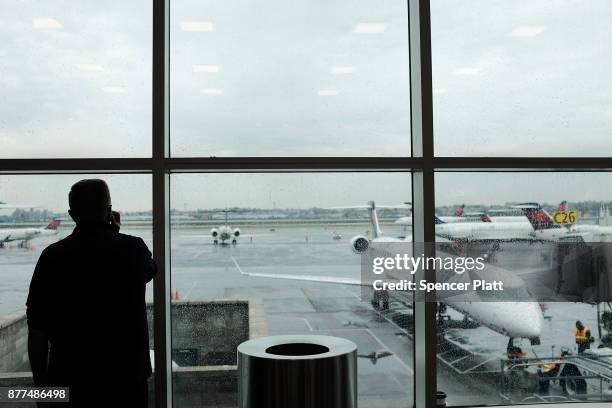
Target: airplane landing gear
{"points": [[216, 242], [234, 242], [514, 352]]}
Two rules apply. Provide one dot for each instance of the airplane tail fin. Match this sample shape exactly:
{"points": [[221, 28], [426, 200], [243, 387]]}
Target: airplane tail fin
{"points": [[537, 216], [459, 210], [53, 225], [374, 219]]}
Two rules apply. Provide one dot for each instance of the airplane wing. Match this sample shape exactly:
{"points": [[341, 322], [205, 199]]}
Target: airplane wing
{"points": [[308, 278], [365, 207]]}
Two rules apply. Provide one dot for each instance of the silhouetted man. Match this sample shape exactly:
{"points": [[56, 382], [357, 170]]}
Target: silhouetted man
{"points": [[86, 307]]}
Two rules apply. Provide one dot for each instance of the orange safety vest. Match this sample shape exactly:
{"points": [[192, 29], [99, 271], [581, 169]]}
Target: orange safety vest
{"points": [[551, 365], [581, 335]]}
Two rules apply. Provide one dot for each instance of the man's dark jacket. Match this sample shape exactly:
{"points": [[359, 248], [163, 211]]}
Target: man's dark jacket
{"points": [[88, 294]]}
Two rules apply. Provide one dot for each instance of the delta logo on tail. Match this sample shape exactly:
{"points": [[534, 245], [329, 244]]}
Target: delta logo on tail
{"points": [[459, 210], [537, 216], [53, 225]]}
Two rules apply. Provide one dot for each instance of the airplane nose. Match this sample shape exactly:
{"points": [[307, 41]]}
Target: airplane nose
{"points": [[528, 320]]}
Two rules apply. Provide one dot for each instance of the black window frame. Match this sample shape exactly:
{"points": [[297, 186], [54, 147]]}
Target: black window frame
{"points": [[422, 164]]}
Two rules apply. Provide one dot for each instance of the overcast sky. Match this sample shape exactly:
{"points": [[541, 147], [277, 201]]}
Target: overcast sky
{"points": [[521, 77]]}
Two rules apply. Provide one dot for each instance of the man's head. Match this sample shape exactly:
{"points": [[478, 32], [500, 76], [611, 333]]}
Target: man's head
{"points": [[90, 201], [579, 325]]}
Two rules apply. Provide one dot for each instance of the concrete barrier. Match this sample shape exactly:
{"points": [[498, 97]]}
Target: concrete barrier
{"points": [[14, 343]]}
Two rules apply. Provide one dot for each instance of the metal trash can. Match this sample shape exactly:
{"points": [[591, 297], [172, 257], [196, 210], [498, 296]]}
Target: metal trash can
{"points": [[297, 371]]}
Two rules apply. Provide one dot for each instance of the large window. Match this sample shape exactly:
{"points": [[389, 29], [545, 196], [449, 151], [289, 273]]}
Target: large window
{"points": [[525, 331], [34, 214], [260, 258], [75, 78], [274, 125], [305, 78], [521, 78]]}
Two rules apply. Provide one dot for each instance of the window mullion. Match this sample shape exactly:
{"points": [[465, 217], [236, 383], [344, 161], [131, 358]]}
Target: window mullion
{"points": [[423, 196], [161, 203]]}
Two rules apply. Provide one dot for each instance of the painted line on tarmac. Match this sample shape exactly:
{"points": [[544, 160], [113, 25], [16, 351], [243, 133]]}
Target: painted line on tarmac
{"points": [[237, 266], [198, 254], [189, 291], [410, 370], [379, 341], [307, 324]]}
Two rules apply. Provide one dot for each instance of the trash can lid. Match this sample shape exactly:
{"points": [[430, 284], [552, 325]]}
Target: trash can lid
{"points": [[296, 347]]}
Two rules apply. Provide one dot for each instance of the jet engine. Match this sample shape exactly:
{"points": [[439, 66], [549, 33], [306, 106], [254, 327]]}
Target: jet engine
{"points": [[214, 232], [360, 244], [236, 232]]}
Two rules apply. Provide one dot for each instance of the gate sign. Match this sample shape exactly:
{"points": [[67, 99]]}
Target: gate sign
{"points": [[566, 217]]}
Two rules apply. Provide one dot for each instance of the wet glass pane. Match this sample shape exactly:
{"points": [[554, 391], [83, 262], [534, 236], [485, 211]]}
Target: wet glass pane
{"points": [[324, 78], [33, 215], [272, 254], [75, 78], [549, 235], [522, 78]]}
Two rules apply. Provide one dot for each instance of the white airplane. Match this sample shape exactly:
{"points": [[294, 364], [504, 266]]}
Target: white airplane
{"points": [[484, 231], [512, 319], [225, 233], [507, 215], [460, 216], [5, 206], [25, 235], [513, 214], [448, 219], [510, 230], [361, 243]]}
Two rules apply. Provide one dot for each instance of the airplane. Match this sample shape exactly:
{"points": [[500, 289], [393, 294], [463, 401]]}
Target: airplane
{"points": [[5, 206], [361, 243], [496, 232], [225, 233], [449, 219], [512, 214], [510, 318], [484, 231], [25, 235], [460, 216]]}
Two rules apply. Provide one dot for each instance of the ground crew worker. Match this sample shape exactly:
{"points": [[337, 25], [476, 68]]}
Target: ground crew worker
{"points": [[546, 371], [583, 337]]}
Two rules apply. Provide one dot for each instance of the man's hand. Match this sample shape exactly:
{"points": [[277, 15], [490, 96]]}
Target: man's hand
{"points": [[115, 221]]}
